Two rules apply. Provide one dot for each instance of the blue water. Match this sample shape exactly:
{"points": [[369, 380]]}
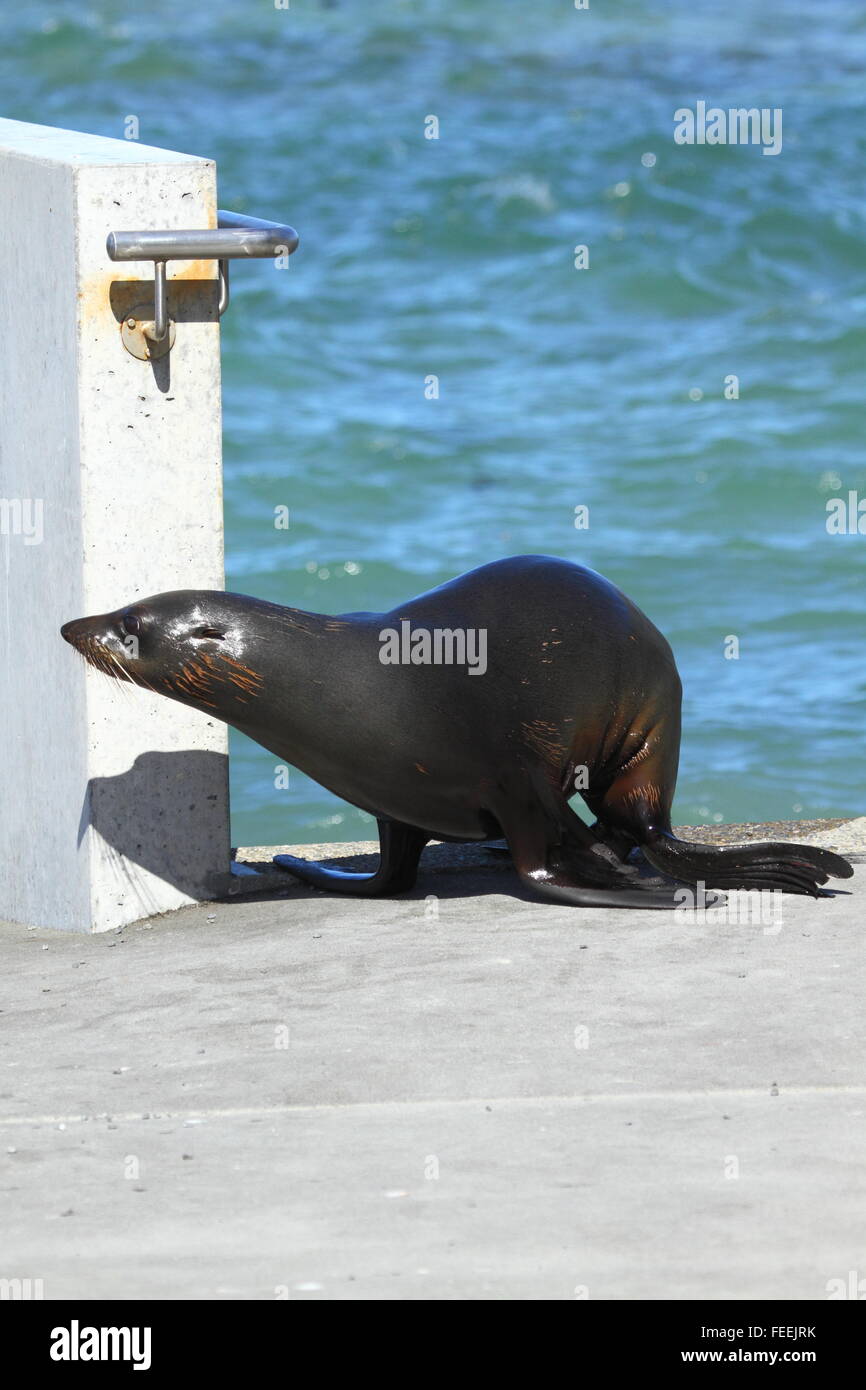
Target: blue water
{"points": [[558, 387]]}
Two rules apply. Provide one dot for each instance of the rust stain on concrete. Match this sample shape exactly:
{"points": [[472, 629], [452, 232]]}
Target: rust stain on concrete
{"points": [[192, 286]]}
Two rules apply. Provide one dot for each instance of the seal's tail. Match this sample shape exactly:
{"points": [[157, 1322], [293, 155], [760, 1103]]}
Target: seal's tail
{"points": [[789, 868]]}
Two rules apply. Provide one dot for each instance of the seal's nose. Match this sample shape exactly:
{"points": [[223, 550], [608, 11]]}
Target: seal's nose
{"points": [[68, 631]]}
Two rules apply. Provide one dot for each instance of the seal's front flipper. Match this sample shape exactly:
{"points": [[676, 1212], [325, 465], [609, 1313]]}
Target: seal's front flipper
{"points": [[787, 868], [400, 849]]}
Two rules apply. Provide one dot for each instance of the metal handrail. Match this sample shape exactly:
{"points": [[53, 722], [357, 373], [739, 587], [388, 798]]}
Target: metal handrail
{"points": [[236, 236]]}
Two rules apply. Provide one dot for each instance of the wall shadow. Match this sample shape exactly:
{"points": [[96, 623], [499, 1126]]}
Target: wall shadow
{"points": [[159, 812]]}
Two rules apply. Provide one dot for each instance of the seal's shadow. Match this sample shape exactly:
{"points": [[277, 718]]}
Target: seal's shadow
{"points": [[152, 814]]}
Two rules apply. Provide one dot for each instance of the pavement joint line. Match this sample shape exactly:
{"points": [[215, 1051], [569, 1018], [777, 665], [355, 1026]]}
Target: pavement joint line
{"points": [[462, 1102]]}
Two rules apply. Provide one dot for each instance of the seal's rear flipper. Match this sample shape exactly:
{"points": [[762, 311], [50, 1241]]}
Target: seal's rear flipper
{"points": [[788, 868], [666, 898], [559, 858]]}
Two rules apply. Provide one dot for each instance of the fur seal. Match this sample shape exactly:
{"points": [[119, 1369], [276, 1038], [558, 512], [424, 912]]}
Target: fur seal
{"points": [[578, 691]]}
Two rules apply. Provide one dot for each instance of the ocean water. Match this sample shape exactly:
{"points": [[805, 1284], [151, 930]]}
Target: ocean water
{"points": [[558, 387]]}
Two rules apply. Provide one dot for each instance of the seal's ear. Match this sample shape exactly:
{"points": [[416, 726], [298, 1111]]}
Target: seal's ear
{"points": [[215, 632]]}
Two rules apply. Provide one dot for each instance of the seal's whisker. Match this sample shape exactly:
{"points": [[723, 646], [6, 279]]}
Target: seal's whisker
{"points": [[178, 685], [245, 670], [244, 685], [139, 679], [196, 677], [122, 674]]}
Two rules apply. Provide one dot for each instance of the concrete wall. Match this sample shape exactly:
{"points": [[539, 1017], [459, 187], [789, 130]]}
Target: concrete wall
{"points": [[113, 802]]}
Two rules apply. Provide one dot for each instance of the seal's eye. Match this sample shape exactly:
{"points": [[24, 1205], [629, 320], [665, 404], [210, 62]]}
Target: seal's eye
{"points": [[209, 632], [131, 624]]}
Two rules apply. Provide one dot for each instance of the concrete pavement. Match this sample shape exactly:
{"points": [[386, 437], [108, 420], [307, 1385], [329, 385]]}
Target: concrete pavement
{"points": [[457, 1094]]}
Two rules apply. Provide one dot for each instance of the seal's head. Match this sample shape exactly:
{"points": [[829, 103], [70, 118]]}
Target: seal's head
{"points": [[190, 645]]}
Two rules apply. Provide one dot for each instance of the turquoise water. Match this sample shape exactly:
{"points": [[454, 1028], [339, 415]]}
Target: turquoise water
{"points": [[558, 387]]}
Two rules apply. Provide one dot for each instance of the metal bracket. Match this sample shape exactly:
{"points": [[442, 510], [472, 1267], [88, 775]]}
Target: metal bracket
{"points": [[235, 237]]}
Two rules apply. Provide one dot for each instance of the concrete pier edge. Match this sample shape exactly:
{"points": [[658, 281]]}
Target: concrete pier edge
{"points": [[459, 1093]]}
